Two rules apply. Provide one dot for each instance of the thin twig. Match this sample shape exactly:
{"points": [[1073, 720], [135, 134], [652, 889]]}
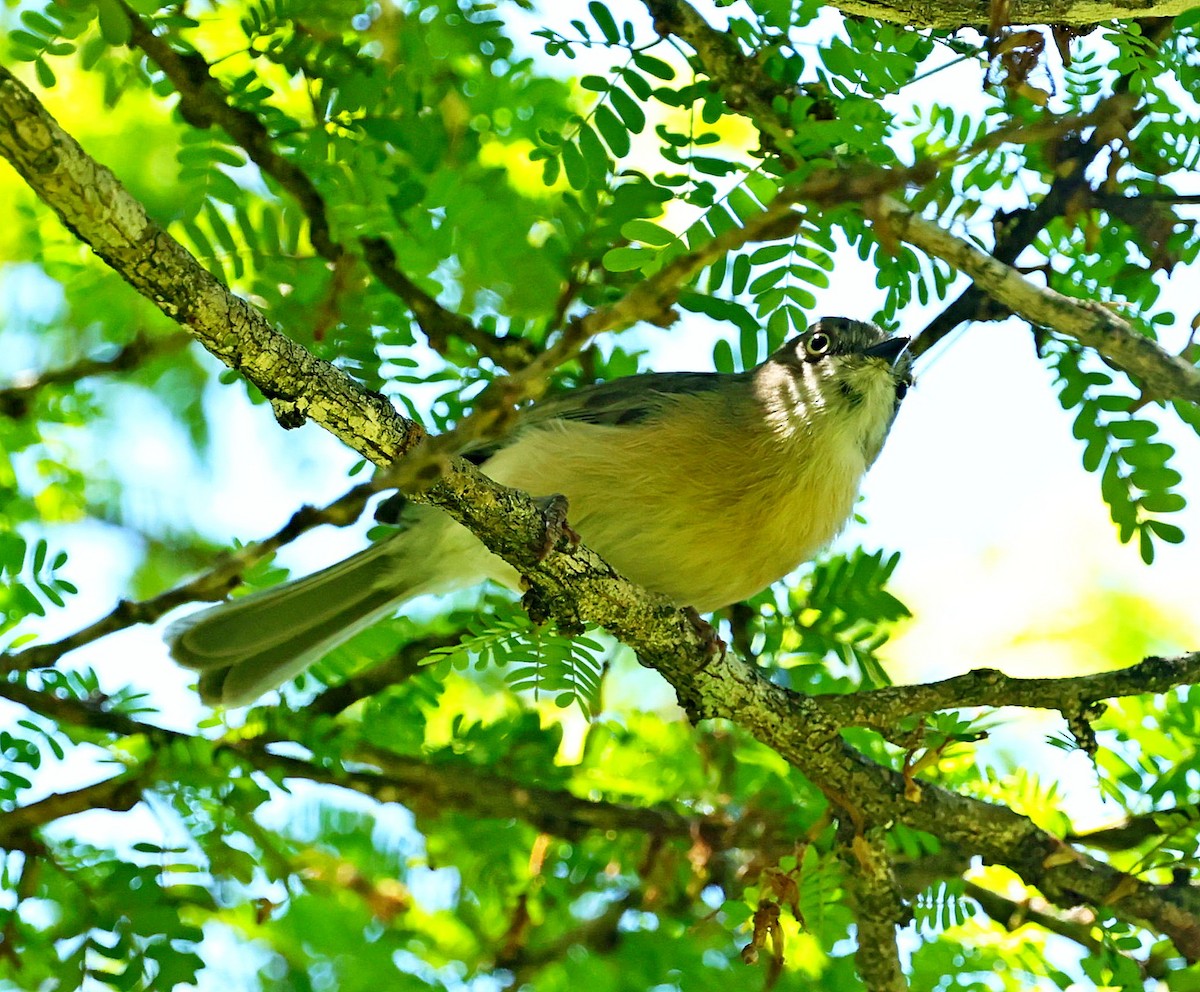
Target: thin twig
{"points": [[15, 399]]}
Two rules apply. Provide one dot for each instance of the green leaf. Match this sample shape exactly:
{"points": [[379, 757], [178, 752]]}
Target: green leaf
{"points": [[626, 258], [1165, 531], [630, 112], [593, 153], [656, 67], [647, 232], [604, 21], [114, 25], [615, 135], [44, 73], [723, 357], [574, 166]]}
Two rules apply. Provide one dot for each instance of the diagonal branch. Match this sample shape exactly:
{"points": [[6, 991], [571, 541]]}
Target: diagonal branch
{"points": [[1070, 179], [746, 87], [119, 793], [884, 708], [1092, 324], [93, 204], [212, 585], [572, 584]]}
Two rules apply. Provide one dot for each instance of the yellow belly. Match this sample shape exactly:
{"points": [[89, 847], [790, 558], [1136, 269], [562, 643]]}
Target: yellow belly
{"points": [[704, 527]]}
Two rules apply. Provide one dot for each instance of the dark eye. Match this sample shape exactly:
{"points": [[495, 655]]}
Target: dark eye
{"points": [[818, 344], [901, 390]]}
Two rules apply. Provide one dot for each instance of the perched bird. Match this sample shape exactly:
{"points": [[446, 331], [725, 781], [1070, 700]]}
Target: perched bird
{"points": [[705, 487]]}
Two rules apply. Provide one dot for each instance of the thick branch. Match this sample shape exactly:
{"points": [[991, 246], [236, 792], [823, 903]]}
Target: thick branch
{"points": [[95, 206], [883, 708], [572, 585], [878, 910]]}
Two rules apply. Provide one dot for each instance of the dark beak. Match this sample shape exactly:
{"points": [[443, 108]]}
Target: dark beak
{"points": [[889, 350]]}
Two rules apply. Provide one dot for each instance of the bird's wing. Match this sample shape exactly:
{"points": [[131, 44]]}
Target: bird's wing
{"points": [[622, 402], [628, 400]]}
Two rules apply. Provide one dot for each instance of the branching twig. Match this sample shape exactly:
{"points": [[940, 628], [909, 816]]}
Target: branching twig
{"points": [[572, 584], [878, 911], [204, 102], [745, 85], [884, 708], [15, 399], [428, 788], [1136, 829], [1090, 323], [212, 585]]}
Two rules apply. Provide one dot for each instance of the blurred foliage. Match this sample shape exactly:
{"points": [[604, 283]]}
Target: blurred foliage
{"points": [[518, 198]]}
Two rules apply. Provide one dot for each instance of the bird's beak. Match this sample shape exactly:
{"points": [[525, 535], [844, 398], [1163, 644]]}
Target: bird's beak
{"points": [[889, 350]]}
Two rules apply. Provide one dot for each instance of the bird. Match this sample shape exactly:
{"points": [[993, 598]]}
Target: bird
{"points": [[704, 487]]}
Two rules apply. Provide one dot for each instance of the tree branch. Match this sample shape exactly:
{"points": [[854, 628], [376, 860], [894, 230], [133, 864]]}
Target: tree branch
{"points": [[119, 793], [1137, 829], [15, 399], [212, 585], [428, 788], [976, 13], [884, 708], [878, 911], [94, 205], [1092, 324], [571, 584], [1019, 231], [745, 86]]}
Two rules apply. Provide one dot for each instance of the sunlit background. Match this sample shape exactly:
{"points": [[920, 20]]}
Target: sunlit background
{"points": [[1009, 559]]}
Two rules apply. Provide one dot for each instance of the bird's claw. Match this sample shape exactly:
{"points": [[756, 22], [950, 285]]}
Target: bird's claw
{"points": [[558, 532]]}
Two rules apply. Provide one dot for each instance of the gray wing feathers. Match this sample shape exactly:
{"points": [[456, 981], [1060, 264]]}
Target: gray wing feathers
{"points": [[258, 642]]}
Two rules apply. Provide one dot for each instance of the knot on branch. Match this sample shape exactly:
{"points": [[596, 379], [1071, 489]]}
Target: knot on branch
{"points": [[1079, 722]]}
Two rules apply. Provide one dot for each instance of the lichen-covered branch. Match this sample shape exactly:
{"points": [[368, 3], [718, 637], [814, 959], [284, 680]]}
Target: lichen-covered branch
{"points": [[878, 911], [567, 583], [93, 204], [884, 708], [1161, 374], [977, 13]]}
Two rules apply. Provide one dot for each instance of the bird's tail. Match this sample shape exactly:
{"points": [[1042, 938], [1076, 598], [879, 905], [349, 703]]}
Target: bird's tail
{"points": [[256, 643]]}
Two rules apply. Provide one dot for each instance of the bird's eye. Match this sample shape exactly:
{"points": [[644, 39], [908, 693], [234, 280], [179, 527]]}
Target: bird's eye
{"points": [[818, 344], [901, 390]]}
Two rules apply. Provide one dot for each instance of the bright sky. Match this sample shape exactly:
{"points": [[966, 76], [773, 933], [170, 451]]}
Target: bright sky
{"points": [[1006, 544]]}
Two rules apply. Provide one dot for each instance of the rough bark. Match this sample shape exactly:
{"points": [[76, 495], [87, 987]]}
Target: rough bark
{"points": [[977, 13]]}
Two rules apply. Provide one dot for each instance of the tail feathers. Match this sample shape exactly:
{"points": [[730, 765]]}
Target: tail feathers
{"points": [[251, 645]]}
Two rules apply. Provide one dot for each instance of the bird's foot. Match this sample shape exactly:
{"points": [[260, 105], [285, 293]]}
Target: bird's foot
{"points": [[559, 533], [714, 647]]}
